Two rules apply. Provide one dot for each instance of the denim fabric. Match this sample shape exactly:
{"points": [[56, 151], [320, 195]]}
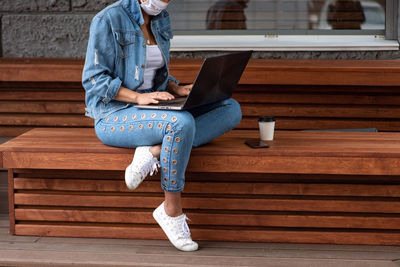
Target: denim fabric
{"points": [[116, 55], [177, 131]]}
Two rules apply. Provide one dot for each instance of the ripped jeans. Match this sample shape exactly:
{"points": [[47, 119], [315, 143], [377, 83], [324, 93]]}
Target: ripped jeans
{"points": [[177, 131]]}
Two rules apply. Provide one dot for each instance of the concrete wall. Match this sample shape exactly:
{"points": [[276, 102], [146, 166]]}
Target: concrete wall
{"points": [[47, 28], [60, 28]]}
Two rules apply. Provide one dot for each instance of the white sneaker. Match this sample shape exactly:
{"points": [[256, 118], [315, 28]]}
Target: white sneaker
{"points": [[143, 164], [176, 229]]}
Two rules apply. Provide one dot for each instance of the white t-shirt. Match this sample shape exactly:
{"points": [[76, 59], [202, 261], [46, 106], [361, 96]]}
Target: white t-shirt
{"points": [[154, 61]]}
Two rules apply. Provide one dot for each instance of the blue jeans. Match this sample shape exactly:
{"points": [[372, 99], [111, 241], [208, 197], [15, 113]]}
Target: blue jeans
{"points": [[177, 131]]}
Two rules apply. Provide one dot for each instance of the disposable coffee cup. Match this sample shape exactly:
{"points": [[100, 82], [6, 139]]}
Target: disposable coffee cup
{"points": [[267, 127]]}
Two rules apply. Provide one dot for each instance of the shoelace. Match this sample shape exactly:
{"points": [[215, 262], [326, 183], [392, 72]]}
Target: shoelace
{"points": [[183, 228], [150, 166]]}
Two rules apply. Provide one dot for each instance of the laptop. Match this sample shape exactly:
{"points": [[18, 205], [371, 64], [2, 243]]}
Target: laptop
{"points": [[215, 81]]}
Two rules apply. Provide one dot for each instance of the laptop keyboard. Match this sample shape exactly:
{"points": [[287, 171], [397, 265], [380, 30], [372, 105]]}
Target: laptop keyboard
{"points": [[176, 102]]}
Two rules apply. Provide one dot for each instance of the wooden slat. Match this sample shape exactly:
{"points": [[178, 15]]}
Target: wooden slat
{"points": [[12, 131], [266, 204], [39, 94], [328, 111], [272, 164], [215, 163], [322, 123], [249, 188], [25, 122], [285, 143], [316, 72], [323, 97], [276, 71], [211, 218], [11, 199], [372, 238], [282, 110], [42, 107], [45, 120]]}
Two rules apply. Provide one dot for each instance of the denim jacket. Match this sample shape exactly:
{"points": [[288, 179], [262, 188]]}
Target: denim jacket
{"points": [[116, 56]]}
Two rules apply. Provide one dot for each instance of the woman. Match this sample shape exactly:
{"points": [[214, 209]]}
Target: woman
{"points": [[126, 64]]}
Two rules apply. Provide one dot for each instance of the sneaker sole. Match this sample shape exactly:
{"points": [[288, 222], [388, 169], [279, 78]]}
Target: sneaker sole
{"points": [[157, 218]]}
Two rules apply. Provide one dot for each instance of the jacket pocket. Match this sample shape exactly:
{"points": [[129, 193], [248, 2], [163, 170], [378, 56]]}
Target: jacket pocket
{"points": [[125, 41]]}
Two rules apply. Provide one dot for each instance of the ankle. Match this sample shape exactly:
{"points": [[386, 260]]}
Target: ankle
{"points": [[172, 211], [155, 150]]}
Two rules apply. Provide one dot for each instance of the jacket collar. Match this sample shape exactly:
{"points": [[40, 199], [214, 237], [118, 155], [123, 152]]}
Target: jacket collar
{"points": [[134, 11]]}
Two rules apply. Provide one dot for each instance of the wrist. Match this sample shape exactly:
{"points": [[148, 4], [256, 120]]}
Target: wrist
{"points": [[135, 97], [172, 86]]}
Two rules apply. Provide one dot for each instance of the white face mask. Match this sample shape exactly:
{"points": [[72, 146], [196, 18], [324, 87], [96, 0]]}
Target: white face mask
{"points": [[153, 7]]}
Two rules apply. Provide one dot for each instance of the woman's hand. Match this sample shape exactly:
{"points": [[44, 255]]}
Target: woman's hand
{"points": [[153, 98], [183, 90]]}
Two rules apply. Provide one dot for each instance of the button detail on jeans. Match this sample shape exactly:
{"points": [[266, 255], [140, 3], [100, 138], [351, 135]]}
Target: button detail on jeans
{"points": [[107, 118], [153, 115], [133, 116], [104, 128], [125, 118], [177, 139], [143, 116], [131, 128], [174, 119], [164, 160], [173, 181], [165, 179], [122, 128], [165, 169], [166, 149], [174, 162], [169, 138], [113, 129], [150, 125], [164, 116], [168, 127], [140, 126], [175, 151], [174, 171], [115, 118], [160, 125]]}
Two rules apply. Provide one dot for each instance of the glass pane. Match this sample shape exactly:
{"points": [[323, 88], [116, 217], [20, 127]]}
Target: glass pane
{"points": [[263, 15]]}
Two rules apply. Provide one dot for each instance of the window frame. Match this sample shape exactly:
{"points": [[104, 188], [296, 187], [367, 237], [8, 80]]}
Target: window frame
{"points": [[297, 40]]}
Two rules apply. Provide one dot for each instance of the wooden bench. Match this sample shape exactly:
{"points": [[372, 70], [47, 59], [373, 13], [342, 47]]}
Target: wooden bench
{"points": [[308, 187], [313, 187], [302, 94]]}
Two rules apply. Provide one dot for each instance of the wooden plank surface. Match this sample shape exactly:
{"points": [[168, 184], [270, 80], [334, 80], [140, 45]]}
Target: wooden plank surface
{"points": [[211, 203], [277, 71], [321, 237], [78, 140], [217, 187], [290, 152], [280, 110], [210, 218], [58, 251], [24, 123]]}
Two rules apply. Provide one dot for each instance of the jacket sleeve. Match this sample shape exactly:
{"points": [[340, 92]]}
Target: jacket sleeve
{"points": [[172, 78], [100, 62]]}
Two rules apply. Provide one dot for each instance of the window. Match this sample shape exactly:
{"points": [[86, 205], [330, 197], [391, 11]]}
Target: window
{"points": [[273, 18]]}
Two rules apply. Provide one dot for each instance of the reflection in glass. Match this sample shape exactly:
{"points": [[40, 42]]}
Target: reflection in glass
{"points": [[227, 15], [263, 15], [340, 14]]}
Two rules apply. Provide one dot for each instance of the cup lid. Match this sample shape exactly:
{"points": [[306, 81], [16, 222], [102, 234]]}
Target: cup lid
{"points": [[266, 119]]}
